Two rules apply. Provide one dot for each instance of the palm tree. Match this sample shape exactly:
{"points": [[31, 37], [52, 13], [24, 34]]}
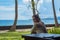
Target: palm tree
{"points": [[16, 16], [39, 26], [55, 18]]}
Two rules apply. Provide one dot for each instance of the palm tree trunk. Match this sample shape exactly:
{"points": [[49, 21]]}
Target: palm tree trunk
{"points": [[39, 26], [33, 7], [55, 18], [16, 16]]}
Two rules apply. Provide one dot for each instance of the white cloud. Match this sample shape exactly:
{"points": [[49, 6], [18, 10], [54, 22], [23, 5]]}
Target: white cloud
{"points": [[7, 16], [58, 13], [48, 1], [7, 8], [39, 4], [20, 17], [29, 1], [41, 1], [26, 1], [11, 8], [7, 12], [22, 9], [22, 12]]}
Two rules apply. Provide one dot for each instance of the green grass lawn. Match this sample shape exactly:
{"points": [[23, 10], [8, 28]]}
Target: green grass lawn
{"points": [[17, 35], [12, 35], [55, 30]]}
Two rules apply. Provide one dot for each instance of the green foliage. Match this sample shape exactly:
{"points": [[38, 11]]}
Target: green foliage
{"points": [[55, 30]]}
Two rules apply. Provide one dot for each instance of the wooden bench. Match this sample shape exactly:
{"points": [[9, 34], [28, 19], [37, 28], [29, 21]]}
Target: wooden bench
{"points": [[41, 36]]}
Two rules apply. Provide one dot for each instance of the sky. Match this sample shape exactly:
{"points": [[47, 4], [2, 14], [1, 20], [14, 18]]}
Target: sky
{"points": [[7, 9]]}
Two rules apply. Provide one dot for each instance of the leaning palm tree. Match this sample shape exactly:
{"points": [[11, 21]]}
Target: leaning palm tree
{"points": [[39, 26], [16, 14], [55, 18]]}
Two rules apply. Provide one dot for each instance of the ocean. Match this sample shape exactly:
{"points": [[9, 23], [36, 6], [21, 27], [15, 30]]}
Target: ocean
{"points": [[25, 22]]}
